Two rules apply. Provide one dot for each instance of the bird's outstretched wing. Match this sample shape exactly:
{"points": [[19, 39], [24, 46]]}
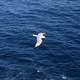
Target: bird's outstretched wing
{"points": [[34, 35], [38, 43]]}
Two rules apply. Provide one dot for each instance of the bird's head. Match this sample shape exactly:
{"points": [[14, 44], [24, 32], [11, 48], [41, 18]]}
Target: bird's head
{"points": [[42, 35]]}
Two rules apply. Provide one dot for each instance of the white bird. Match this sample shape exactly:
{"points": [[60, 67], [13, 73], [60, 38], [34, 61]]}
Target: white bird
{"points": [[39, 37]]}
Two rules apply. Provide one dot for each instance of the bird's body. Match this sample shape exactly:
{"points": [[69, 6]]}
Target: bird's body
{"points": [[39, 37]]}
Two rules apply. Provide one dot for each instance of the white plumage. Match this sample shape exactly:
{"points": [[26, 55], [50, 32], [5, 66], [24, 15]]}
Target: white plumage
{"points": [[39, 37]]}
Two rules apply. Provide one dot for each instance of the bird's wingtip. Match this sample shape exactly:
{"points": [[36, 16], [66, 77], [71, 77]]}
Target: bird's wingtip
{"points": [[34, 35]]}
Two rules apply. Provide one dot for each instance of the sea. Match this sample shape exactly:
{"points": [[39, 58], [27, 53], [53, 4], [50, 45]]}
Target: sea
{"points": [[57, 58]]}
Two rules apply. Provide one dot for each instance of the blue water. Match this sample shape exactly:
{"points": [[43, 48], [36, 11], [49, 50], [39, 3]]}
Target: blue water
{"points": [[58, 58]]}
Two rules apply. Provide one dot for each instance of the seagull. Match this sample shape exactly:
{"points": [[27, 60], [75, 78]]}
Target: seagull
{"points": [[39, 37]]}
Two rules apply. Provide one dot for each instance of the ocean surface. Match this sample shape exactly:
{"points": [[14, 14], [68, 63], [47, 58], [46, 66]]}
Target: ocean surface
{"points": [[58, 57]]}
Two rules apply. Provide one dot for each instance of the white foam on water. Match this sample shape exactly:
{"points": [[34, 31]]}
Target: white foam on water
{"points": [[63, 77]]}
